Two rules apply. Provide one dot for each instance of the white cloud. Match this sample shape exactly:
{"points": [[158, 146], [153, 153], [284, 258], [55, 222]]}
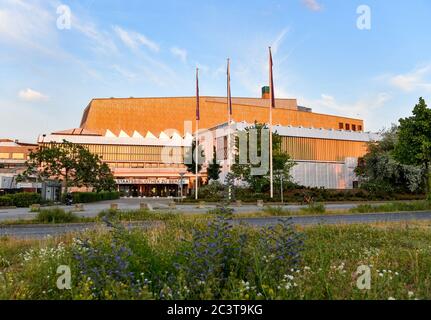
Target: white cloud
{"points": [[134, 40], [179, 53], [313, 5], [364, 108], [279, 40], [32, 95], [416, 80]]}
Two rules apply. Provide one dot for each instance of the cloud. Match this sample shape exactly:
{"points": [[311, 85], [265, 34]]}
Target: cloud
{"points": [[32, 95], [279, 40], [365, 108], [179, 53], [134, 40], [416, 80], [313, 5]]}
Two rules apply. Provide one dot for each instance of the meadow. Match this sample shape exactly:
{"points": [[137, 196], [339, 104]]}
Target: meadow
{"points": [[207, 258]]}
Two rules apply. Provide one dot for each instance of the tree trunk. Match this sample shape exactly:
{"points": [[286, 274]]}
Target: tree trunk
{"points": [[428, 166]]}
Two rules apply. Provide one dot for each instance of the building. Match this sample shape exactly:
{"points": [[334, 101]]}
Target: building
{"points": [[145, 140], [13, 155]]}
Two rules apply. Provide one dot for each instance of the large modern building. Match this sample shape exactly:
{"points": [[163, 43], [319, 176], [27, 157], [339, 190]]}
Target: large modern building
{"points": [[144, 139]]}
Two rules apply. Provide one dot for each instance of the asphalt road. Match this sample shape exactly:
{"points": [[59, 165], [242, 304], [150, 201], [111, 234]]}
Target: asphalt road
{"points": [[40, 231], [92, 209]]}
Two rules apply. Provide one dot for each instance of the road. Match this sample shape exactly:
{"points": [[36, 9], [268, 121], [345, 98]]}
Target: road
{"points": [[92, 209], [40, 231]]}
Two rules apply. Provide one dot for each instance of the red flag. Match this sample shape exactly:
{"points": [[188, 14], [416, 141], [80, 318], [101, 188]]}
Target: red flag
{"points": [[271, 79], [198, 116], [229, 94]]}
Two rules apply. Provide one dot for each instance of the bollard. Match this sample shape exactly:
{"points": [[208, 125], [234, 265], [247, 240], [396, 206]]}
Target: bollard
{"points": [[79, 207], [146, 206], [201, 205], [35, 207], [260, 203]]}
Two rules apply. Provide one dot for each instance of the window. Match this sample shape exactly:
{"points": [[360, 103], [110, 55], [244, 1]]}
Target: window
{"points": [[4, 155], [354, 127], [347, 126], [18, 155], [360, 128], [341, 126]]}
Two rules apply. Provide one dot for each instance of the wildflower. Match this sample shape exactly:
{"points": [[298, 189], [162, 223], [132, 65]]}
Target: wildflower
{"points": [[391, 298], [411, 294]]}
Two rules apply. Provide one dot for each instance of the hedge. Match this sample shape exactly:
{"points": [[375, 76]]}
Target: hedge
{"points": [[20, 200], [87, 197]]}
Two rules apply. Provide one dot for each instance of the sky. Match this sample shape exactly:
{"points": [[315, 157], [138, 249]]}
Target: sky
{"points": [[333, 56]]}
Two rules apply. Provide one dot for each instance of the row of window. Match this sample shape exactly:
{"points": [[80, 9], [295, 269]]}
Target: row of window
{"points": [[17, 156], [348, 126]]}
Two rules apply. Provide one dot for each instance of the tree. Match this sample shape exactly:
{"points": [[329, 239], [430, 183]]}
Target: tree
{"points": [[214, 168], [72, 164], [282, 162], [414, 141], [190, 156], [378, 170]]}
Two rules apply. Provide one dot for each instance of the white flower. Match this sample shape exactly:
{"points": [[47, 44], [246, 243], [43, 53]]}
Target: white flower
{"points": [[380, 274], [411, 294], [391, 298]]}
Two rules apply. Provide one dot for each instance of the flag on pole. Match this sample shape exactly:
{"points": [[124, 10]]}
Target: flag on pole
{"points": [[271, 79], [272, 106], [198, 116], [229, 94]]}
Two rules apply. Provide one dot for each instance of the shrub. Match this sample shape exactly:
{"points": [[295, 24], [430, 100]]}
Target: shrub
{"points": [[87, 197], [20, 200], [55, 215], [6, 201]]}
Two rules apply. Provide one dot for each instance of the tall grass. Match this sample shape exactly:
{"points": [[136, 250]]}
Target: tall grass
{"points": [[393, 207]]}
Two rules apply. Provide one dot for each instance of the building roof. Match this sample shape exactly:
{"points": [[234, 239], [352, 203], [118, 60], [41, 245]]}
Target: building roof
{"points": [[76, 132]]}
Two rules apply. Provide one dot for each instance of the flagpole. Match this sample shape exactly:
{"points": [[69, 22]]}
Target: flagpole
{"points": [[197, 136], [229, 111], [271, 88]]}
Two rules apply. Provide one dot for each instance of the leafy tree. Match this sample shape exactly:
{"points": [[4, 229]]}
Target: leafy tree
{"points": [[379, 171], [190, 156], [282, 162], [70, 163], [414, 141], [214, 168]]}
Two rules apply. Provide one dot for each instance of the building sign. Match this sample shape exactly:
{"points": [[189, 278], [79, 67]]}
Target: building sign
{"points": [[151, 181]]}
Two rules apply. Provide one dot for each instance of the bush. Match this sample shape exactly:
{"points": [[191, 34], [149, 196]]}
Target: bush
{"points": [[6, 201], [20, 200], [55, 215], [87, 197]]}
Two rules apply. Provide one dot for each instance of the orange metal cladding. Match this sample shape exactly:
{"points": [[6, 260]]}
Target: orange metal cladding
{"points": [[322, 149], [159, 114]]}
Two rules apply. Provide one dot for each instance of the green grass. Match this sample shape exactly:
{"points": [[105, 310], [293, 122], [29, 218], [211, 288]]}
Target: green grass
{"points": [[393, 207], [398, 254], [55, 215], [136, 215], [314, 208]]}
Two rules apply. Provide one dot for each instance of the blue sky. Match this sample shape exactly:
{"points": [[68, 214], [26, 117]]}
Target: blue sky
{"points": [[150, 48]]}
